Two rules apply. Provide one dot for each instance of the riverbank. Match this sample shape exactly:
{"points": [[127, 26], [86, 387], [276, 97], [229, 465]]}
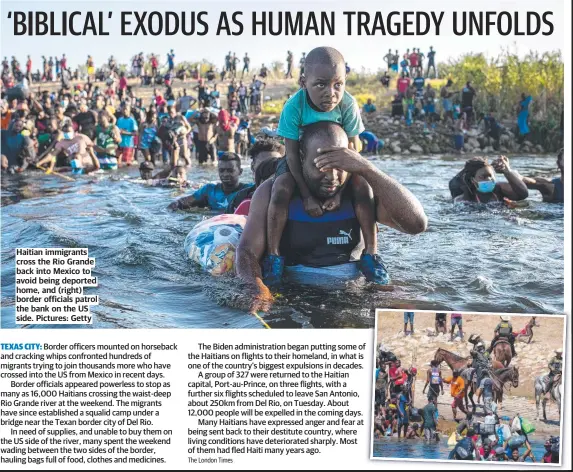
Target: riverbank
{"points": [[399, 138], [419, 348]]}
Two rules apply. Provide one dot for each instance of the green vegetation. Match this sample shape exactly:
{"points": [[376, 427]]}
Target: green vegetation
{"points": [[501, 81]]}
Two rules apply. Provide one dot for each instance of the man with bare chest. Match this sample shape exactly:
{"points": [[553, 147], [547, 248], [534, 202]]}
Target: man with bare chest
{"points": [[225, 131], [206, 136]]}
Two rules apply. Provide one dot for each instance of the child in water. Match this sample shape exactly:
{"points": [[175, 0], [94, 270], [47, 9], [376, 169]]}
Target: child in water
{"points": [[322, 98]]}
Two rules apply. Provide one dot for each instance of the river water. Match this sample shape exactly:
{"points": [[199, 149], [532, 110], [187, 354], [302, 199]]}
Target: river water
{"points": [[472, 258], [419, 449]]}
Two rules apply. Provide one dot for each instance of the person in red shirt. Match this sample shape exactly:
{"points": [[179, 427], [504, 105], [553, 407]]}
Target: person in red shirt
{"points": [[413, 61], [122, 85], [154, 65], [403, 84], [64, 62]]}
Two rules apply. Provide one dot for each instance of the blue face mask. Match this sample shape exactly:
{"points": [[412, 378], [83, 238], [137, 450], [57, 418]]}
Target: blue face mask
{"points": [[69, 135], [486, 186]]}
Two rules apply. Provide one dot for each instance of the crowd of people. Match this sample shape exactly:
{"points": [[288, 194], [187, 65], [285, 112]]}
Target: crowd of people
{"points": [[487, 437], [415, 98], [412, 62], [86, 127]]}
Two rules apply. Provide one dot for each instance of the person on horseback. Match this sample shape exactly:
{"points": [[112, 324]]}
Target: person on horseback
{"points": [[481, 361], [434, 380], [555, 368], [504, 329]]}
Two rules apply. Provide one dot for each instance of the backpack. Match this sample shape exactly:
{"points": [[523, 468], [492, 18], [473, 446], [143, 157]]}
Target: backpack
{"points": [[464, 448], [555, 443]]}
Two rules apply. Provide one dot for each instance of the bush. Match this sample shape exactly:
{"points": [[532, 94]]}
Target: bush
{"points": [[272, 107], [500, 82]]}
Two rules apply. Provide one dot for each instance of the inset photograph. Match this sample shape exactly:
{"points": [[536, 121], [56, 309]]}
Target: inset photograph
{"points": [[468, 386]]}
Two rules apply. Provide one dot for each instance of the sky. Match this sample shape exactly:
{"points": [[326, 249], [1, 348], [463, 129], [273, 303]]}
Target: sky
{"points": [[360, 51]]}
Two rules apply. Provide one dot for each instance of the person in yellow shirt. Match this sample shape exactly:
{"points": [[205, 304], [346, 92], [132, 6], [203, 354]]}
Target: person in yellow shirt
{"points": [[457, 390]]}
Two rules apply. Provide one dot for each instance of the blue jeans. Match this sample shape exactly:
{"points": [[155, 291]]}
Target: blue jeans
{"points": [[409, 317]]}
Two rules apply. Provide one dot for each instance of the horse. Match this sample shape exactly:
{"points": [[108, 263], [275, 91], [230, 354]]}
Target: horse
{"points": [[502, 376], [475, 339], [502, 351], [526, 334], [453, 360], [468, 374], [555, 393]]}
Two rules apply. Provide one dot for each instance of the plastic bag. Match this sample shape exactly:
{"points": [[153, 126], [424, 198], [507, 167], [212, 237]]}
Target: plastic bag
{"points": [[526, 426], [516, 424], [503, 432], [212, 243], [516, 441], [452, 440]]}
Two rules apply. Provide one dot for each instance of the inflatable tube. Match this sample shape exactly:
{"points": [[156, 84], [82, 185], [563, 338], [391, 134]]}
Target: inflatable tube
{"points": [[212, 243]]}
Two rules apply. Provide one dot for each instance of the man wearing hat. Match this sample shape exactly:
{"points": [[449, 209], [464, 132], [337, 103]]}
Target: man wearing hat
{"points": [[480, 361], [504, 329], [555, 368]]}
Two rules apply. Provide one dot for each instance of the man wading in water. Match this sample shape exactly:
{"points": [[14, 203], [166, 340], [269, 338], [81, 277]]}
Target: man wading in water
{"points": [[206, 136], [322, 247]]}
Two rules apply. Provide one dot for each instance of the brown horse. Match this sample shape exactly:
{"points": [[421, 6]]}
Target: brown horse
{"points": [[502, 376], [502, 352], [453, 360], [526, 334]]}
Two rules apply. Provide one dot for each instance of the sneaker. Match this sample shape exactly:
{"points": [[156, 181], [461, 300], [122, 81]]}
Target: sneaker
{"points": [[374, 269], [273, 267]]}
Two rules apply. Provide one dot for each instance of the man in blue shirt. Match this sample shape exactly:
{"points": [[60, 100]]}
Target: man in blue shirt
{"points": [[128, 130], [419, 83], [369, 107], [171, 60], [216, 196]]}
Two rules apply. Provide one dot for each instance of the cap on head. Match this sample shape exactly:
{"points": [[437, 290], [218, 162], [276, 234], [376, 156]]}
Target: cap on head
{"points": [[504, 318], [559, 351]]}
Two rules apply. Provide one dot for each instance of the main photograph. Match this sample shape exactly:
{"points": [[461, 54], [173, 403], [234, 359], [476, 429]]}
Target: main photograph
{"points": [[287, 181]]}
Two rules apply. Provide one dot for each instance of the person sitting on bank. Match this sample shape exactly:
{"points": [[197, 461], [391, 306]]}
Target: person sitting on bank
{"points": [[324, 247], [216, 196], [552, 191], [477, 182], [369, 107]]}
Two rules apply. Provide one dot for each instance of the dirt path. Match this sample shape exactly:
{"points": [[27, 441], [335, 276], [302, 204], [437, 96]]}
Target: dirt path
{"points": [[418, 349]]}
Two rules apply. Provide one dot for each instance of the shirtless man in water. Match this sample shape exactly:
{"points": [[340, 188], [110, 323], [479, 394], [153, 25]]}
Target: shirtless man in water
{"points": [[225, 131], [206, 136], [552, 190]]}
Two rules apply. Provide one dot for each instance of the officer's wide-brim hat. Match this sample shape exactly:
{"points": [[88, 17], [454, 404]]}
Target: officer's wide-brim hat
{"points": [[504, 318]]}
